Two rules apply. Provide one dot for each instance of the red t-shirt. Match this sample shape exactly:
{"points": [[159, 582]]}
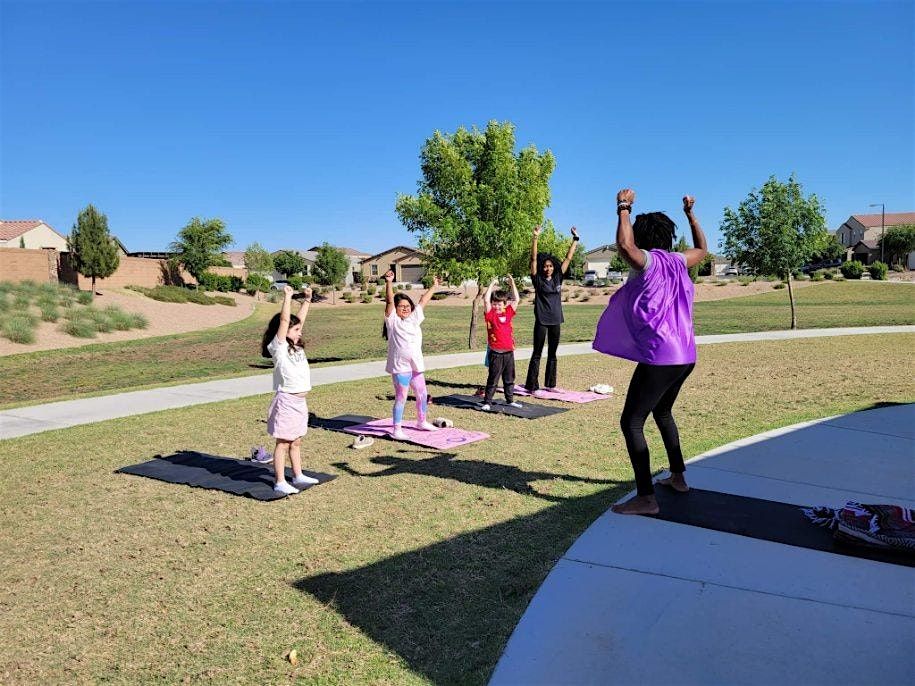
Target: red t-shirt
{"points": [[499, 329]]}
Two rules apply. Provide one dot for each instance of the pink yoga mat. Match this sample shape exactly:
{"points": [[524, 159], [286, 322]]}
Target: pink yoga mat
{"points": [[440, 439], [564, 395]]}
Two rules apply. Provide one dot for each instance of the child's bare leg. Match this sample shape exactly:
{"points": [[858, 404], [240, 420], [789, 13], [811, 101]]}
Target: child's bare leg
{"points": [[279, 460], [295, 456]]}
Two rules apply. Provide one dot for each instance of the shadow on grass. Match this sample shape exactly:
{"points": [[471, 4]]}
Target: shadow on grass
{"points": [[448, 609], [473, 472]]}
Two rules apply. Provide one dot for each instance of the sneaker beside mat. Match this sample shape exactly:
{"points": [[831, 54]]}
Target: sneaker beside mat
{"points": [[239, 477]]}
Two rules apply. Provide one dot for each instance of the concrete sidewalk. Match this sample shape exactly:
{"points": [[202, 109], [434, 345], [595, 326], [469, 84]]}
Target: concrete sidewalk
{"points": [[32, 419], [638, 600]]}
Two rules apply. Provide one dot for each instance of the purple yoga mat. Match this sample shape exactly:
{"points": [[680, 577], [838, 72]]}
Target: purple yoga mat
{"points": [[564, 395], [440, 439]]}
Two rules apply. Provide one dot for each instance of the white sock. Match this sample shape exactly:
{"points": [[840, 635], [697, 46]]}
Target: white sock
{"points": [[283, 487], [303, 480]]}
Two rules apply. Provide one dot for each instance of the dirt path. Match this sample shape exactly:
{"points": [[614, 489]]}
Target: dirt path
{"points": [[164, 319]]}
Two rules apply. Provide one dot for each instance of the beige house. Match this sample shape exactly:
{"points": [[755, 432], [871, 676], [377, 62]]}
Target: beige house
{"points": [[599, 259], [30, 233], [868, 227], [355, 258], [407, 264]]}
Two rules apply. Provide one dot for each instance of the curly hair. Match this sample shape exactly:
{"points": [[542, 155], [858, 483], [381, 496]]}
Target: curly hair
{"points": [[654, 230]]}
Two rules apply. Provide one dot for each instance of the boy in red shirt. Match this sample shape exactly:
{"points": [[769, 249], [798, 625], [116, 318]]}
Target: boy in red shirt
{"points": [[501, 339]]}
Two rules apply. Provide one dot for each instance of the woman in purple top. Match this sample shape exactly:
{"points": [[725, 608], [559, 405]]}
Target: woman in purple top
{"points": [[650, 321]]}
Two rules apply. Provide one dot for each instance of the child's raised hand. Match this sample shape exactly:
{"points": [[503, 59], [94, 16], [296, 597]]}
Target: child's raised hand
{"points": [[287, 291], [538, 230], [389, 276], [511, 279], [688, 202], [625, 195], [574, 232], [306, 291], [436, 282]]}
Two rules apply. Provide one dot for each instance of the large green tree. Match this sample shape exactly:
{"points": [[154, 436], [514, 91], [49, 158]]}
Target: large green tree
{"points": [[200, 245], [898, 242], [93, 252], [832, 250], [330, 267], [289, 262], [476, 204], [775, 230]]}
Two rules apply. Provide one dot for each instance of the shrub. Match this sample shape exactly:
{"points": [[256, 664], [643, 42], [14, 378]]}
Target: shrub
{"points": [[747, 280], [295, 281], [49, 312], [440, 295], [585, 298], [409, 286], [348, 297], [780, 284], [817, 275], [224, 300], [721, 283], [256, 283], [80, 327], [371, 289], [21, 300], [878, 271], [366, 298], [19, 328], [208, 281], [898, 268], [84, 297], [829, 274], [852, 269], [838, 277]]}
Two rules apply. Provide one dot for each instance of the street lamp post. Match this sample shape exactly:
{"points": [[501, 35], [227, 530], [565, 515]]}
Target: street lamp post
{"points": [[882, 226]]}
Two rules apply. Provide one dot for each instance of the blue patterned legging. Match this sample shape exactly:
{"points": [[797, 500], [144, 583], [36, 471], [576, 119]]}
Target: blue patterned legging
{"points": [[402, 384]]}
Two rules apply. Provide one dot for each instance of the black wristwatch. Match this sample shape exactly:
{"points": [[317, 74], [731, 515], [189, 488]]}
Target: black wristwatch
{"points": [[575, 238]]}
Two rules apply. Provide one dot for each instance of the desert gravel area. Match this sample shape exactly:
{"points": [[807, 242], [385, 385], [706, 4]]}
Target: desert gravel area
{"points": [[164, 319]]}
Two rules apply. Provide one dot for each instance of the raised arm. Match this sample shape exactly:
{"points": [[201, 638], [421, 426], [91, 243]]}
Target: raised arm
{"points": [[427, 296], [625, 240], [569, 255], [487, 299], [537, 231], [306, 302], [696, 254], [388, 293], [516, 299], [283, 331]]}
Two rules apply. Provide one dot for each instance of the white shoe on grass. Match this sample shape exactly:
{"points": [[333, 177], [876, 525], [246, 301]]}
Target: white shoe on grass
{"points": [[301, 481], [285, 488], [515, 404], [426, 426]]}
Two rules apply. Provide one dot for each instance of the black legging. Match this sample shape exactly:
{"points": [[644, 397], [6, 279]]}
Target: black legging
{"points": [[653, 389], [541, 333]]}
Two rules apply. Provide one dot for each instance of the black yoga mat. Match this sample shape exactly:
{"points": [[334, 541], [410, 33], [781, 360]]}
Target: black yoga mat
{"points": [[339, 423], [241, 477], [766, 520], [472, 402]]}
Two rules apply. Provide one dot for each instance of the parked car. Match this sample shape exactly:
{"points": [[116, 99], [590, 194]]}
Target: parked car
{"points": [[615, 275], [731, 271], [590, 278], [278, 285], [825, 264]]}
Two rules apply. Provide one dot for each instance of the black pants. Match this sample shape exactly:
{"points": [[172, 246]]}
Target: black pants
{"points": [[501, 365], [653, 389], [542, 332]]}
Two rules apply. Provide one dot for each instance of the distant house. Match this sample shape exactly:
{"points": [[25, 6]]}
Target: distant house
{"points": [[407, 264], [30, 233], [235, 258], [355, 258], [861, 234], [307, 255], [599, 259]]}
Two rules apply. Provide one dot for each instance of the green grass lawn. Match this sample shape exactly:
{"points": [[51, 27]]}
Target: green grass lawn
{"points": [[354, 333], [413, 566]]}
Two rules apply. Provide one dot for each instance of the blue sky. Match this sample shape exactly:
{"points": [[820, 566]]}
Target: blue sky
{"points": [[299, 122]]}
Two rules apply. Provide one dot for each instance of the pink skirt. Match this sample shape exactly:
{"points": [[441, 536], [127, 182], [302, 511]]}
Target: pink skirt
{"points": [[287, 418]]}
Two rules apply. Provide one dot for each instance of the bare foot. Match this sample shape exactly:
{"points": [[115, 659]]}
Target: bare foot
{"points": [[676, 482], [638, 505]]}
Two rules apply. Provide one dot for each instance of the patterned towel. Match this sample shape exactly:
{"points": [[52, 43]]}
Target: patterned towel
{"points": [[879, 526]]}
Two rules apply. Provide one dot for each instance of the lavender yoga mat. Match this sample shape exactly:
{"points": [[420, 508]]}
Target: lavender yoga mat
{"points": [[440, 439], [564, 395]]}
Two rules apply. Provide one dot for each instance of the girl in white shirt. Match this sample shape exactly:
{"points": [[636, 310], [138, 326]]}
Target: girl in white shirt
{"points": [[402, 328], [287, 418]]}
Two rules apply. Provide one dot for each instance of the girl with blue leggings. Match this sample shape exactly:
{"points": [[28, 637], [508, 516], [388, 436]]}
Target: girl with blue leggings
{"points": [[402, 328]]}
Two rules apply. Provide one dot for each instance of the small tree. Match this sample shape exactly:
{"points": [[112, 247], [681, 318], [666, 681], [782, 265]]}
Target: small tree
{"points": [[476, 205], [22, 242], [618, 264], [707, 265], [289, 262], [93, 252], [682, 246], [330, 267], [775, 230], [832, 250], [898, 242], [200, 244], [258, 260]]}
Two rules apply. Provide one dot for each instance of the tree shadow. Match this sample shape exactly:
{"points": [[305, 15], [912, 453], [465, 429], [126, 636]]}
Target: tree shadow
{"points": [[472, 472], [448, 608], [455, 384]]}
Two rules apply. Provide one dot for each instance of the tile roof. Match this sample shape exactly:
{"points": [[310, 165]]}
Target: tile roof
{"points": [[14, 228], [352, 252], [891, 219]]}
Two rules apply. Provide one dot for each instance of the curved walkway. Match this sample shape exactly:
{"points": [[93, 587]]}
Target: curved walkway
{"points": [[638, 600], [31, 419]]}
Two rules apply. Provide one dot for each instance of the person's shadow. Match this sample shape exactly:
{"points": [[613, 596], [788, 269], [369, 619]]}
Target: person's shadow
{"points": [[474, 472]]}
